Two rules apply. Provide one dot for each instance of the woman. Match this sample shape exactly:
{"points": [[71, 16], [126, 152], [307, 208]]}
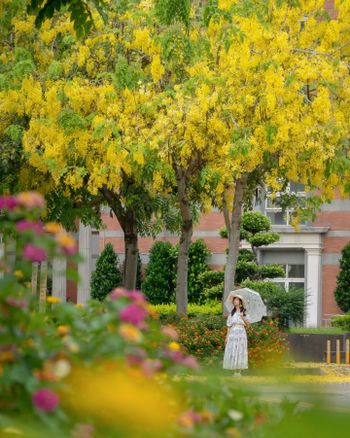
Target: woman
{"points": [[236, 344]]}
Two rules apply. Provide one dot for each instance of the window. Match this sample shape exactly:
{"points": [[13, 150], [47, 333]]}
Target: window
{"points": [[294, 277], [273, 208]]}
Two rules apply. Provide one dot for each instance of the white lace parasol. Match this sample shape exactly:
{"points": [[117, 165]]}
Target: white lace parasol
{"points": [[253, 302]]}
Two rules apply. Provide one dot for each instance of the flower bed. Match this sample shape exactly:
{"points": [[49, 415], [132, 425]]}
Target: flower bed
{"points": [[204, 337]]}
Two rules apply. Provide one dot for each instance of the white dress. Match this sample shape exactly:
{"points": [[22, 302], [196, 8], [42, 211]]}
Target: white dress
{"points": [[236, 349]]}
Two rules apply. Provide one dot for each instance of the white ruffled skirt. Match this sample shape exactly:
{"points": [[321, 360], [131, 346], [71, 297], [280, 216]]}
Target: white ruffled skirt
{"points": [[236, 350]]}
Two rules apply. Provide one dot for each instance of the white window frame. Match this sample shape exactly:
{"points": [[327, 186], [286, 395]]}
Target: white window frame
{"points": [[287, 281], [288, 211]]}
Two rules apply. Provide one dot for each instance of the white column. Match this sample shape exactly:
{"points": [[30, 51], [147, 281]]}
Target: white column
{"points": [[313, 263], [84, 267], [59, 278]]}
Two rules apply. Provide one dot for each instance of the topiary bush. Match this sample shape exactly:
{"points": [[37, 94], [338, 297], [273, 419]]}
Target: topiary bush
{"points": [[107, 275], [342, 290], [197, 264], [159, 282], [271, 271]]}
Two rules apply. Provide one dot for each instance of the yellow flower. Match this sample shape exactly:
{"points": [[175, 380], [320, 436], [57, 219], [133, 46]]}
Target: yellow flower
{"points": [[53, 227], [53, 300], [65, 240], [130, 333], [174, 346], [19, 273], [6, 356], [63, 329], [113, 395]]}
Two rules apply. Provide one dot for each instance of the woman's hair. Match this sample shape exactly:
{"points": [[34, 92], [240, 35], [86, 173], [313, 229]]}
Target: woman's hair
{"points": [[243, 309]]}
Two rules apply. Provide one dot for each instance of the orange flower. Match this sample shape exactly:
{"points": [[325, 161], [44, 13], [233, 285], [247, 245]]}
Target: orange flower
{"points": [[53, 227], [63, 330], [130, 333]]}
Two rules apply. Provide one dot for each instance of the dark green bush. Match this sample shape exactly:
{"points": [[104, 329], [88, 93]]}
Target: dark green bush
{"points": [[159, 283], [197, 264], [214, 293], [246, 270], [271, 271], [107, 275], [342, 290]]}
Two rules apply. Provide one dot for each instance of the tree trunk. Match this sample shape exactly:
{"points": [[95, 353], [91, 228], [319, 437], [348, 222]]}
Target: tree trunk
{"points": [[130, 263], [185, 240], [233, 229], [127, 220]]}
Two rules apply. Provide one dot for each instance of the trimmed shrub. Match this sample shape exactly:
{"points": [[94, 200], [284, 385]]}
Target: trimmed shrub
{"points": [[342, 322], [245, 270], [342, 290], [159, 283], [271, 271], [210, 308], [197, 264], [214, 293], [107, 275]]}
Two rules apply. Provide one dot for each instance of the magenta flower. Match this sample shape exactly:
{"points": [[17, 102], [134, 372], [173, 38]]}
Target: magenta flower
{"points": [[25, 225], [136, 295], [133, 314], [45, 400], [7, 203], [34, 253]]}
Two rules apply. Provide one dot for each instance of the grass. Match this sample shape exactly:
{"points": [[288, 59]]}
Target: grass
{"points": [[318, 330]]}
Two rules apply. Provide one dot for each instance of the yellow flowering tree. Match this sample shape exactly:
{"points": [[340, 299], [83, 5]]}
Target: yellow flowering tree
{"points": [[83, 104], [285, 98]]}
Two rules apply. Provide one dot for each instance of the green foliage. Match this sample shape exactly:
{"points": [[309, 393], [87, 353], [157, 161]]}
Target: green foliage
{"points": [[106, 276], [159, 282], [55, 70], [246, 255], [214, 293], [245, 270], [287, 307], [165, 311], [342, 321], [271, 271], [79, 10], [212, 285], [342, 290], [255, 222], [70, 121], [171, 11], [263, 239], [197, 264], [127, 74]]}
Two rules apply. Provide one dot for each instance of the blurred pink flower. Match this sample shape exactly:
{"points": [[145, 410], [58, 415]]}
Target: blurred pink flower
{"points": [[133, 314], [30, 200], [25, 225], [171, 332], [151, 366], [20, 303], [45, 400], [7, 202], [191, 362], [133, 295], [136, 357], [34, 253], [119, 292]]}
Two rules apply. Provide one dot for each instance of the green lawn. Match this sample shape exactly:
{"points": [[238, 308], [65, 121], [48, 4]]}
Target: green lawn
{"points": [[318, 331]]}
